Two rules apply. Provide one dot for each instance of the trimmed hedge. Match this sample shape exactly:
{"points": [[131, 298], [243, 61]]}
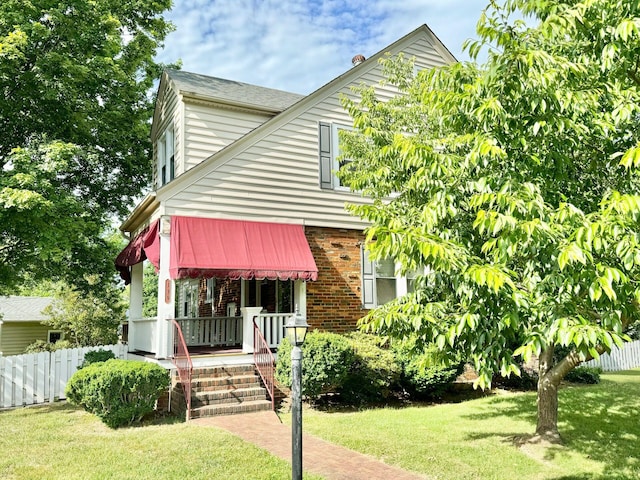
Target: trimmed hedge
{"points": [[425, 374], [326, 361], [119, 392], [375, 373], [588, 375], [95, 356]]}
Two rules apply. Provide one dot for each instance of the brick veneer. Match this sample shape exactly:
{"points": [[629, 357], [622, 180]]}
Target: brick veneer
{"points": [[224, 292], [333, 301]]}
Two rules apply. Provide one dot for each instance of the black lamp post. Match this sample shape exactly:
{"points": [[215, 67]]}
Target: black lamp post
{"points": [[296, 329]]}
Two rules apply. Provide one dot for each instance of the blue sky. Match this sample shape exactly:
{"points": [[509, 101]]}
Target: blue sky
{"points": [[299, 45]]}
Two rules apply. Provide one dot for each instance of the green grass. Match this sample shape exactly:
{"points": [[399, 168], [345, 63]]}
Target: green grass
{"points": [[63, 442], [600, 426]]}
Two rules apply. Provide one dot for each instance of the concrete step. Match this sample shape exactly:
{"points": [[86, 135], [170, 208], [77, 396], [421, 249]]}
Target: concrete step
{"points": [[230, 409], [229, 396]]}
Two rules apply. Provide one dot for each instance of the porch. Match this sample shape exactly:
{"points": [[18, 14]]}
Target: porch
{"points": [[210, 340]]}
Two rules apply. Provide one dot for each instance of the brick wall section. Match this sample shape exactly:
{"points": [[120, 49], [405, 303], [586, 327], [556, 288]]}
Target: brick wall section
{"points": [[204, 308], [224, 292], [334, 301]]}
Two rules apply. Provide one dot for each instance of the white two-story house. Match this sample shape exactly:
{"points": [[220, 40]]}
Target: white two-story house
{"points": [[247, 219]]}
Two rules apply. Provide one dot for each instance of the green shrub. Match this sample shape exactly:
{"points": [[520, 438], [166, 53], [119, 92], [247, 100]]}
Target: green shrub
{"points": [[42, 346], [589, 375], [327, 359], [375, 372], [119, 392], [527, 380], [95, 356], [426, 374]]}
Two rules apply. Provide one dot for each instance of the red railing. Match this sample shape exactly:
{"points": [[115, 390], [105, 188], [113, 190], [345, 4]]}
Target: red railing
{"points": [[182, 361], [264, 361]]}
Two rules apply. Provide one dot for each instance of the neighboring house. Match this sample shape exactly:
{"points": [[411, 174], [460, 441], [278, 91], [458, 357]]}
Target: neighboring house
{"points": [[21, 323], [247, 218]]}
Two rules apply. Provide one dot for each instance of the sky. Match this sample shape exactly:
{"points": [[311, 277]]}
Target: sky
{"points": [[299, 45]]}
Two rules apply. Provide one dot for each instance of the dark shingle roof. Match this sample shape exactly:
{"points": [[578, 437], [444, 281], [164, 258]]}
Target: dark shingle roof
{"points": [[23, 309], [231, 91]]}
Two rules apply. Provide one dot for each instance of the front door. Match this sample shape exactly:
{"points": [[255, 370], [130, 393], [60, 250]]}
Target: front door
{"points": [[274, 296]]}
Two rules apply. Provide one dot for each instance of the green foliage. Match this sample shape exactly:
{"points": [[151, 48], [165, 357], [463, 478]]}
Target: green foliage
{"points": [[119, 392], [95, 356], [515, 188], [74, 130], [326, 362], [375, 372], [425, 373], [87, 319], [42, 346], [588, 375], [527, 380], [149, 291]]}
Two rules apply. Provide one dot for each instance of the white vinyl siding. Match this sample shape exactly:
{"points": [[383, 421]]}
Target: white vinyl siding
{"points": [[168, 117], [276, 177], [208, 129]]}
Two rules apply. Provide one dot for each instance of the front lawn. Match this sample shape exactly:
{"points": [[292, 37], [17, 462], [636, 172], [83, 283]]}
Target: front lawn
{"points": [[469, 440], [60, 441], [600, 425]]}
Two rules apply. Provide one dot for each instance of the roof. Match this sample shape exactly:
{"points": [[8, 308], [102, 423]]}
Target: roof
{"points": [[23, 309], [263, 130], [230, 91]]}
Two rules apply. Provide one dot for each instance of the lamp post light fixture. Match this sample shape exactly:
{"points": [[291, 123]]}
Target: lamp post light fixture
{"points": [[296, 329]]}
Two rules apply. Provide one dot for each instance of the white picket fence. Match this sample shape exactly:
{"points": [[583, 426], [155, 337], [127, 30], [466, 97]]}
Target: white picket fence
{"points": [[42, 377], [619, 359]]}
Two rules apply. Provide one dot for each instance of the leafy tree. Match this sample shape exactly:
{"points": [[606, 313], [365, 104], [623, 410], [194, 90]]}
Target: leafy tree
{"points": [[513, 186], [74, 129], [149, 291], [87, 319]]}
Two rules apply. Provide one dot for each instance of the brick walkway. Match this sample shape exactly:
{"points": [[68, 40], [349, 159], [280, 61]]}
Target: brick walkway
{"points": [[333, 462]]}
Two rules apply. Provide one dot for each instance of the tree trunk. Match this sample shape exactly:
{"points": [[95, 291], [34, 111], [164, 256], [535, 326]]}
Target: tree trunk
{"points": [[548, 382]]}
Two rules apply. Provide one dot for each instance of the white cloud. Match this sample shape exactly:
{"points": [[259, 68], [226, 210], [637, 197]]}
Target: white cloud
{"points": [[299, 45]]}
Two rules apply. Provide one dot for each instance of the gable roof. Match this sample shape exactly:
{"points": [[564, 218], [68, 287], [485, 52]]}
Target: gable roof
{"points": [[230, 91], [23, 309], [212, 162]]}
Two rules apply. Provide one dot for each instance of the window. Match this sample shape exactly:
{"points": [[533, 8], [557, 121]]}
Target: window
{"points": [[210, 286], [380, 283], [189, 299], [54, 335], [166, 156], [329, 151]]}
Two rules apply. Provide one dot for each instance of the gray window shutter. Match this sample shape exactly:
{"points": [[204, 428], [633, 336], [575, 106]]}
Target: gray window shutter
{"points": [[368, 280], [326, 161]]}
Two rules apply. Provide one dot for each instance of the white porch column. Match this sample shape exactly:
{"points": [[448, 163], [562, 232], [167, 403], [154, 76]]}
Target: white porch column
{"points": [[247, 327], [135, 302], [166, 301], [300, 297]]}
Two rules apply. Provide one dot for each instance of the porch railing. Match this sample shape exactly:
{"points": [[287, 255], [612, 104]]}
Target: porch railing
{"points": [[264, 361], [182, 361], [272, 327], [211, 331]]}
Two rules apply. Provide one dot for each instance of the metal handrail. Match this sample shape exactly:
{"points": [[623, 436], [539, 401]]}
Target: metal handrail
{"points": [[182, 360], [264, 362]]}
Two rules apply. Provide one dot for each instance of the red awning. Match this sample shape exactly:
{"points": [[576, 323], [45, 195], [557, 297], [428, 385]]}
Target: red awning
{"points": [[205, 247], [145, 245]]}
